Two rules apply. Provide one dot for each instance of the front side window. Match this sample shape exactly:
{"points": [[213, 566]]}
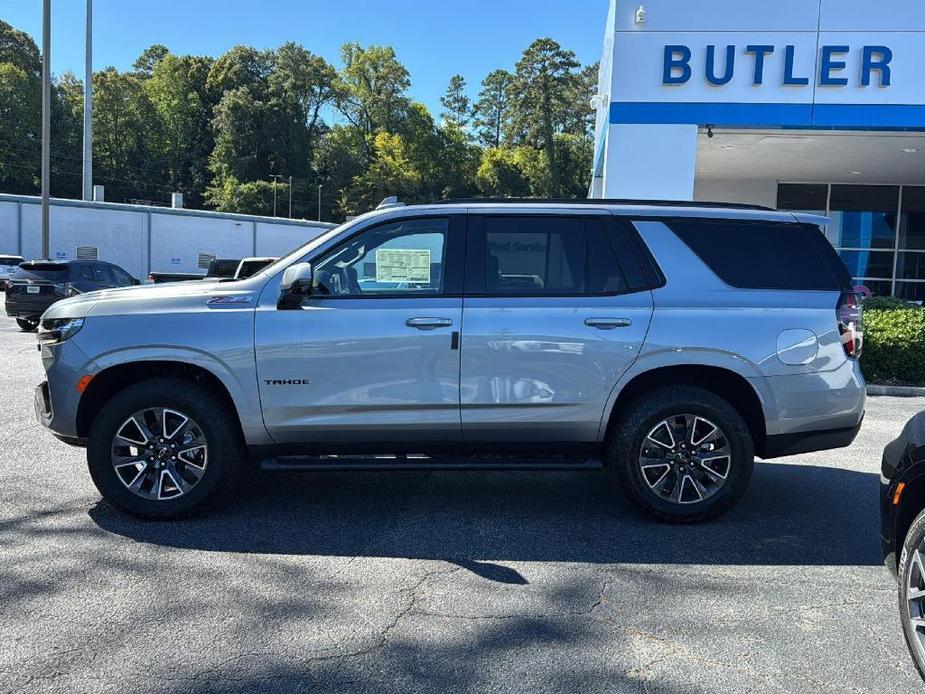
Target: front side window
{"points": [[405, 257]]}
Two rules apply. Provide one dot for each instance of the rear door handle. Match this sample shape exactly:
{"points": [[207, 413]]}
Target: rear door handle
{"points": [[608, 323], [427, 323]]}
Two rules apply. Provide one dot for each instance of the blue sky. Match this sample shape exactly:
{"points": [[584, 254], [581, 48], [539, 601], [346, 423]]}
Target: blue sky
{"points": [[433, 39]]}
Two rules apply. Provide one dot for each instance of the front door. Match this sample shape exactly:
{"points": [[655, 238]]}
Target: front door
{"points": [[556, 311], [372, 356]]}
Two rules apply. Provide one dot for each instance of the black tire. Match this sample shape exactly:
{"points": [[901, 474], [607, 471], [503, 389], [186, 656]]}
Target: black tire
{"points": [[914, 539], [636, 422], [218, 425], [28, 325]]}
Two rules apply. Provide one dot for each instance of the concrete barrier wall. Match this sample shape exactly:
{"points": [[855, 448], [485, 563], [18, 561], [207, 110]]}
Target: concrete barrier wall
{"points": [[144, 239]]}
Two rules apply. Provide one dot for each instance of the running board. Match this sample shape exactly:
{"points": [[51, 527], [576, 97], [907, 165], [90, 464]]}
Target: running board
{"points": [[309, 463]]}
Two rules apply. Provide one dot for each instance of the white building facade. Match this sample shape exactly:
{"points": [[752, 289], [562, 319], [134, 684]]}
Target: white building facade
{"points": [[815, 105], [143, 239]]}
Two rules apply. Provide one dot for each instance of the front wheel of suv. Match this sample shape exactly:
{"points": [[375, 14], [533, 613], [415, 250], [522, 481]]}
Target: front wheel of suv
{"points": [[164, 448], [681, 454]]}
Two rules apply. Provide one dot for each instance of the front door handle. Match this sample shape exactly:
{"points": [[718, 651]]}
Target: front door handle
{"points": [[608, 323], [429, 323]]}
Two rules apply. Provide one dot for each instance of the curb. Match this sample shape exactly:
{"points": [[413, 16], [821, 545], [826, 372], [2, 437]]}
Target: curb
{"points": [[896, 391]]}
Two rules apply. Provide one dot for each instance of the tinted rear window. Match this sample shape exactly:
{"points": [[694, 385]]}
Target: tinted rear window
{"points": [[762, 255], [51, 272], [6, 260]]}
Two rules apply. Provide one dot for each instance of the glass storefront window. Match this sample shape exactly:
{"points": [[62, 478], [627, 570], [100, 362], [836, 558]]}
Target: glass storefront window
{"points": [[911, 291], [876, 287], [863, 216], [803, 197], [910, 266], [868, 263], [912, 220]]}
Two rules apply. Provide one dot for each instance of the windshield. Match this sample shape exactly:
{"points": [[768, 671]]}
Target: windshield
{"points": [[288, 260]]}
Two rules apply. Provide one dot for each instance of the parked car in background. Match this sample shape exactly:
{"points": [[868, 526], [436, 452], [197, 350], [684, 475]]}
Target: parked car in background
{"points": [[164, 277], [666, 343], [8, 265], [251, 266], [223, 268], [37, 284], [902, 529]]}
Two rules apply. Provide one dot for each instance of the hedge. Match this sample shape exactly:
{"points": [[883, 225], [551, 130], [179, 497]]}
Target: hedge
{"points": [[894, 342]]}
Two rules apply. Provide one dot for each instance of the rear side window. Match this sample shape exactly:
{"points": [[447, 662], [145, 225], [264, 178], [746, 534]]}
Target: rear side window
{"points": [[761, 255], [534, 255]]}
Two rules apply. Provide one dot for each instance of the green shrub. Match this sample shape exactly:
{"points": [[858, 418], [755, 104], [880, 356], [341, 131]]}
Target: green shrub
{"points": [[894, 342]]}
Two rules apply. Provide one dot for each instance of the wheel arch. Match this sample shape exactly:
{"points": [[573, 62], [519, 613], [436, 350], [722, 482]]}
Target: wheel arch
{"points": [[118, 377], [727, 384], [913, 501]]}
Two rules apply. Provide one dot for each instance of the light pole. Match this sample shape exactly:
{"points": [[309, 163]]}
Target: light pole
{"points": [[319, 202], [274, 177], [46, 122], [88, 108], [290, 197]]}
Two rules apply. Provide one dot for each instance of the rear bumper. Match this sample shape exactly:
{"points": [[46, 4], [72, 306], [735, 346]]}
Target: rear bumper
{"points": [[18, 306], [809, 441]]}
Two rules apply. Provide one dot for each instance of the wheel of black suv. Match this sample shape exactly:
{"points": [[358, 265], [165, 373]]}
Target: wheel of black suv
{"points": [[27, 325], [912, 591], [164, 448], [681, 454]]}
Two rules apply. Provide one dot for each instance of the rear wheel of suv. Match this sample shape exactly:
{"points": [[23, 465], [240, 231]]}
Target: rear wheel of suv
{"points": [[27, 324], [681, 454], [164, 448]]}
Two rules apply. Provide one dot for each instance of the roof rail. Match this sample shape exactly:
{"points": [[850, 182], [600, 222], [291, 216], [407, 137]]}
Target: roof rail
{"points": [[604, 201]]}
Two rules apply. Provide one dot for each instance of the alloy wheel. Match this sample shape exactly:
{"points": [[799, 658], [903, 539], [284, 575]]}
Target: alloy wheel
{"points": [[685, 459], [915, 600], [159, 453]]}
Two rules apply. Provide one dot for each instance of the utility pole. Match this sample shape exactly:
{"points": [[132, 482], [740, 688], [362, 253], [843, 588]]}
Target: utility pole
{"points": [[319, 202], [46, 122], [88, 108], [290, 197], [275, 181]]}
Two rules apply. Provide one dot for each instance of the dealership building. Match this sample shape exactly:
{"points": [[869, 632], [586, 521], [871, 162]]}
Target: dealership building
{"points": [[811, 105]]}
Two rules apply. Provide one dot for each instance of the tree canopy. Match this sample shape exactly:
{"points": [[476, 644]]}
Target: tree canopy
{"points": [[221, 130]]}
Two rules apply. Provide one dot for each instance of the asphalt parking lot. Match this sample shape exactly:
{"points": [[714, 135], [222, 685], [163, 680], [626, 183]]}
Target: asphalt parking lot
{"points": [[442, 581]]}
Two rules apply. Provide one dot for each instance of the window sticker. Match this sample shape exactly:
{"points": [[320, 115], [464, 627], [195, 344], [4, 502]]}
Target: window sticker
{"points": [[403, 265]]}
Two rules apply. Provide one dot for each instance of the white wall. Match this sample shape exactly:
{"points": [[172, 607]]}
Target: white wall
{"points": [[656, 162], [124, 234], [118, 235]]}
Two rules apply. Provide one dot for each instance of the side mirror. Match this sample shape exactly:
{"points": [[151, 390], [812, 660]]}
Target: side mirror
{"points": [[296, 285]]}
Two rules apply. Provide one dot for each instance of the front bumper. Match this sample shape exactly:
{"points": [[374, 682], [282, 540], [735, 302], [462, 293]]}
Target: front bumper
{"points": [[57, 399]]}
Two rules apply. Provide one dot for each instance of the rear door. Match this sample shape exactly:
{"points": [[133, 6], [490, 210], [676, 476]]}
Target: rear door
{"points": [[555, 312]]}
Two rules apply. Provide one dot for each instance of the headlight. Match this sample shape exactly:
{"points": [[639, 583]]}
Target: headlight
{"points": [[55, 330]]}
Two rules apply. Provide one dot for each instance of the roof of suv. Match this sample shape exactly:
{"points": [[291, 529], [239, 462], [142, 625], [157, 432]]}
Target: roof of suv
{"points": [[642, 208]]}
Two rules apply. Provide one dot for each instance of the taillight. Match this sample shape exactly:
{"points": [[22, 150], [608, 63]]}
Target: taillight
{"points": [[850, 314]]}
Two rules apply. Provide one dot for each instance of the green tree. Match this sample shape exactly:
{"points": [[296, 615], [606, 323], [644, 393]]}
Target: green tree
{"points": [[391, 172], [145, 64], [67, 137], [237, 127], [301, 85], [545, 83], [374, 83], [17, 48], [20, 129], [456, 103], [500, 176], [124, 131], [177, 91], [242, 66], [492, 109]]}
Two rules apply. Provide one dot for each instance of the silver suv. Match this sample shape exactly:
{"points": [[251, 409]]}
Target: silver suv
{"points": [[669, 343]]}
